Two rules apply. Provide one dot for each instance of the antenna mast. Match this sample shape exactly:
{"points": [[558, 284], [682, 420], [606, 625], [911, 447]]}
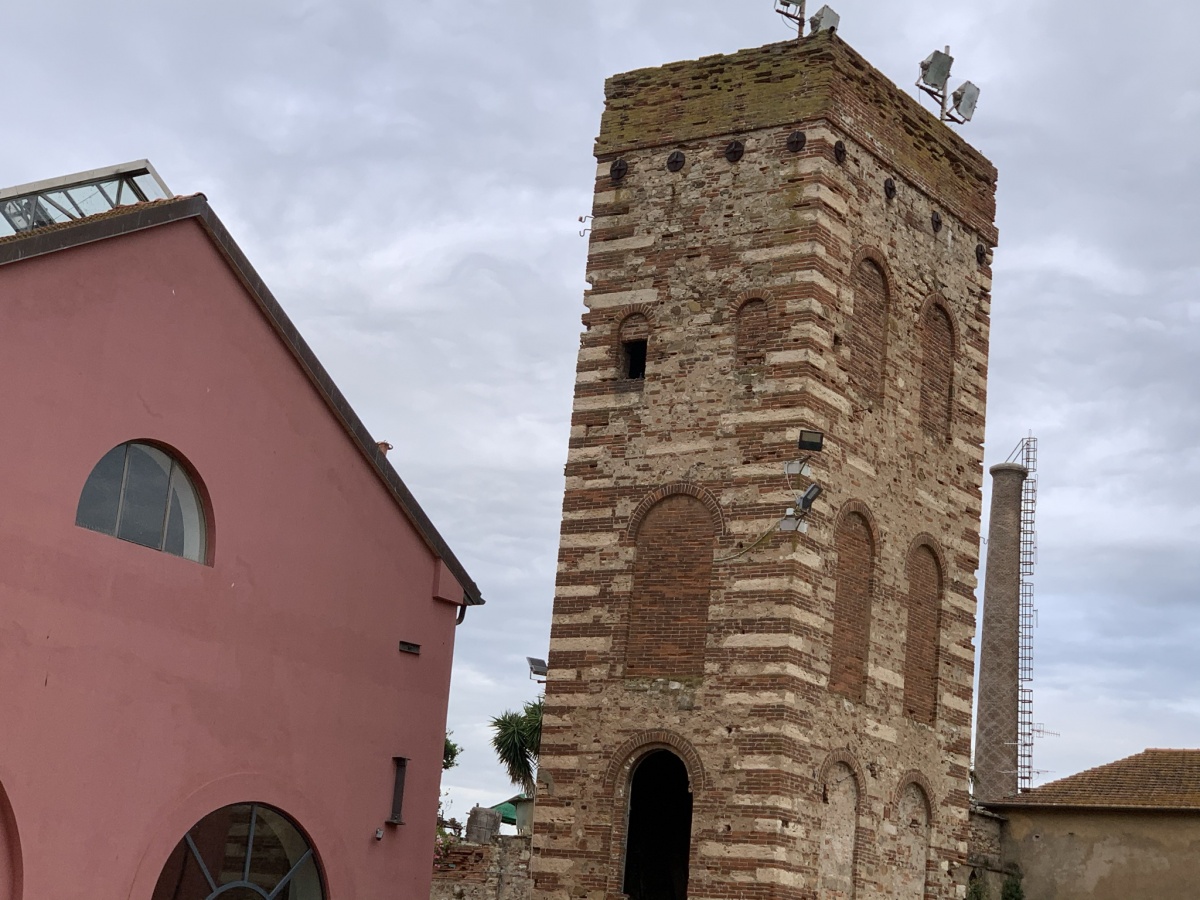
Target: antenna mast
{"points": [[794, 10], [1026, 453]]}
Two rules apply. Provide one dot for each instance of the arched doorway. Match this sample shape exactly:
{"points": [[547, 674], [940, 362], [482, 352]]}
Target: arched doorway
{"points": [[247, 851], [659, 837]]}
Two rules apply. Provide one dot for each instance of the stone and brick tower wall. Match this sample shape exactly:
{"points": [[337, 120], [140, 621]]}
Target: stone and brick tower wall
{"points": [[816, 687], [996, 750]]}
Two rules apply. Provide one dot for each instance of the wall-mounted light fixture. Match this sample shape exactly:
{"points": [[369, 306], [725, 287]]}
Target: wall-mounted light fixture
{"points": [[537, 667]]}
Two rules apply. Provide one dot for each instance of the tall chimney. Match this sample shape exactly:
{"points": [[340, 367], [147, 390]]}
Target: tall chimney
{"points": [[999, 646]]}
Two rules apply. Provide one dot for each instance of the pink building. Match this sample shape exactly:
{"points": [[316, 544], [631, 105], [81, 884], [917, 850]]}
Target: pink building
{"points": [[227, 625]]}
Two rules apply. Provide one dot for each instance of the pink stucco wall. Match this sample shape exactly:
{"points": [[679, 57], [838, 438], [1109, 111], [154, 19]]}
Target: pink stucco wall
{"points": [[141, 690]]}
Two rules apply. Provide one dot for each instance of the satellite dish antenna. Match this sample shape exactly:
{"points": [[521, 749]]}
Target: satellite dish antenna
{"points": [[933, 80]]}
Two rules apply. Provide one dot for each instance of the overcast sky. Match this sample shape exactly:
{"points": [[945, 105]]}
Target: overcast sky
{"points": [[407, 177]]}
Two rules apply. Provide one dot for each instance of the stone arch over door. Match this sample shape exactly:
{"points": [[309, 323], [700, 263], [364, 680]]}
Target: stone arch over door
{"points": [[618, 786]]}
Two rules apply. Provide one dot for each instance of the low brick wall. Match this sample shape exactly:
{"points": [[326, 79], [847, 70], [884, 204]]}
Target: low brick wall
{"points": [[496, 871]]}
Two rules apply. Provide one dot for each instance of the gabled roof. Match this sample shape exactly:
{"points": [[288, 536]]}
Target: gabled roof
{"points": [[130, 219], [1152, 779]]}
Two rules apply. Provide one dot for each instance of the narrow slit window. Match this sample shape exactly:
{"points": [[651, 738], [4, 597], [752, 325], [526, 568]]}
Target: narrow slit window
{"points": [[635, 359]]}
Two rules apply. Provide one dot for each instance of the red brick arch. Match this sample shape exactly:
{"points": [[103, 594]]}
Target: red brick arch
{"points": [[925, 539], [912, 776], [867, 330], [667, 490], [625, 757], [858, 506], [875, 255], [937, 366], [768, 299], [628, 312], [937, 299], [846, 758]]}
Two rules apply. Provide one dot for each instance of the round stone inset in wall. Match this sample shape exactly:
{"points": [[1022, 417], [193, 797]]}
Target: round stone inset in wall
{"points": [[618, 170], [675, 161], [839, 151], [735, 151], [796, 141]]}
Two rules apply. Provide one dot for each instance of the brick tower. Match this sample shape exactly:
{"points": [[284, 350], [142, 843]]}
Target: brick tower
{"points": [[783, 240]]}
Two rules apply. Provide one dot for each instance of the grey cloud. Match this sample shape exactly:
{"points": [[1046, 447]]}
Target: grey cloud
{"points": [[407, 178]]}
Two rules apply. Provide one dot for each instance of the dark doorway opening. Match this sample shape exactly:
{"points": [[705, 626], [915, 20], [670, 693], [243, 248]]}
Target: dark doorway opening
{"points": [[660, 829]]}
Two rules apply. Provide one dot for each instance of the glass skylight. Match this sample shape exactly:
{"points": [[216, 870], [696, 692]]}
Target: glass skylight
{"points": [[32, 206]]}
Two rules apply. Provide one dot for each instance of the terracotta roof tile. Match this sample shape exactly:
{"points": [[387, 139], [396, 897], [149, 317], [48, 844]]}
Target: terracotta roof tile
{"points": [[1152, 779]]}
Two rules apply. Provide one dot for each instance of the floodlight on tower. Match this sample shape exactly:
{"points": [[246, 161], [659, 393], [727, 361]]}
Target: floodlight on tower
{"points": [[965, 99], [934, 79], [825, 20]]}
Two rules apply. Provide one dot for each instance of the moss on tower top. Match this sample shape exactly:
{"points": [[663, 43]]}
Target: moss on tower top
{"points": [[787, 85]]}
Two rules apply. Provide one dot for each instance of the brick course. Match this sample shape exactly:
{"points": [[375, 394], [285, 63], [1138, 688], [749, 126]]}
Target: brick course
{"points": [[758, 722]]}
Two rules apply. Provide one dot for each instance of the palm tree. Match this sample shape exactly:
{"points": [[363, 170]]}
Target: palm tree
{"points": [[517, 738]]}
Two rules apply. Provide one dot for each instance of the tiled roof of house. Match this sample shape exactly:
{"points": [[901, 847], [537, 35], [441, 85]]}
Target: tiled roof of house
{"points": [[1152, 779]]}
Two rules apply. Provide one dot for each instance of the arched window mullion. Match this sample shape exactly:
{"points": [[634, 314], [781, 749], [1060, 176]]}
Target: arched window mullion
{"points": [[200, 862], [162, 532], [121, 493], [238, 885], [249, 837], [288, 877]]}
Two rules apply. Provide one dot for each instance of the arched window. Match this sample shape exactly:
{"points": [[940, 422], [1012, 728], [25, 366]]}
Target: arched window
{"points": [[635, 337], [243, 852], [852, 606], [839, 834], [752, 333], [659, 843], [142, 494], [924, 611], [672, 575], [868, 332], [912, 834], [937, 371]]}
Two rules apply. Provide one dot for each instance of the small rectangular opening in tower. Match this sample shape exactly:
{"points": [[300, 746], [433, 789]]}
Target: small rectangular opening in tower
{"points": [[635, 359]]}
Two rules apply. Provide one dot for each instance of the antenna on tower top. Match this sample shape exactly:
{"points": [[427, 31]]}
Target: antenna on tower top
{"points": [[793, 10], [825, 19], [935, 73]]}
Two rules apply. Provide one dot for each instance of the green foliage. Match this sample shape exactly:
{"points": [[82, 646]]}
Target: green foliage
{"points": [[977, 888], [450, 753], [1012, 889], [517, 739]]}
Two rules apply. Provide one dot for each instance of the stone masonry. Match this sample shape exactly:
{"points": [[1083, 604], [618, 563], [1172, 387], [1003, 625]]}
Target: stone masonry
{"points": [[830, 270]]}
